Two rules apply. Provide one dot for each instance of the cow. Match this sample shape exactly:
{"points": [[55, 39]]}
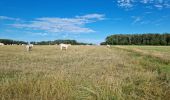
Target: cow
{"points": [[108, 46], [1, 44], [64, 46], [29, 47]]}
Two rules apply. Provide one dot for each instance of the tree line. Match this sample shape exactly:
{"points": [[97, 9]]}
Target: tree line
{"points": [[10, 42], [138, 39], [72, 42]]}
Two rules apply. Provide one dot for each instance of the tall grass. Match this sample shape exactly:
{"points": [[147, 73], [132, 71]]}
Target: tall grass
{"points": [[81, 73]]}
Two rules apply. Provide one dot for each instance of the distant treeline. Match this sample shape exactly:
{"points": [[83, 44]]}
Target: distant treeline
{"points": [[73, 42], [8, 41], [138, 39]]}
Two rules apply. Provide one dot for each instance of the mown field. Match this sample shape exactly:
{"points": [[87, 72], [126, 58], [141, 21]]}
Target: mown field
{"points": [[85, 73]]}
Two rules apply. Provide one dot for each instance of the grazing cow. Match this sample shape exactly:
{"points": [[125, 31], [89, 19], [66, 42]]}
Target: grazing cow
{"points": [[108, 46], [29, 47], [64, 46], [1, 44]]}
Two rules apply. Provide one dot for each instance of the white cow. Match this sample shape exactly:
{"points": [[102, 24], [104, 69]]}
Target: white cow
{"points": [[64, 46], [108, 46], [29, 47], [1, 44]]}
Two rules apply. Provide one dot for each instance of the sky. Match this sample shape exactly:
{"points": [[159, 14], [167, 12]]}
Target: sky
{"points": [[88, 21]]}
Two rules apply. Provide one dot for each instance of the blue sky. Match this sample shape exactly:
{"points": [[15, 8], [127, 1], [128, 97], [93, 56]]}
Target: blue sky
{"points": [[82, 20]]}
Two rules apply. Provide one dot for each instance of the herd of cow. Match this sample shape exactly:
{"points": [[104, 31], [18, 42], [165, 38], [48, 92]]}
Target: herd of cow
{"points": [[62, 46], [30, 46]]}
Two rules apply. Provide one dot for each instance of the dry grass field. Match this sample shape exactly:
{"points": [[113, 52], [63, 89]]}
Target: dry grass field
{"points": [[85, 73]]}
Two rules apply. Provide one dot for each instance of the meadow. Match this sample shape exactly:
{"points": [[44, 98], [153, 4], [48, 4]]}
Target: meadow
{"points": [[85, 73]]}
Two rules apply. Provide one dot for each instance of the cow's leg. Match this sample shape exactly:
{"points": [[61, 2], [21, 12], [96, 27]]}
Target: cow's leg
{"points": [[61, 47]]}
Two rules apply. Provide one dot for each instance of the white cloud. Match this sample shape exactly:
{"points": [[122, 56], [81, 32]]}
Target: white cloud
{"points": [[8, 18], [125, 3], [92, 16], [158, 6], [145, 1], [42, 34], [56, 24], [136, 19], [153, 3]]}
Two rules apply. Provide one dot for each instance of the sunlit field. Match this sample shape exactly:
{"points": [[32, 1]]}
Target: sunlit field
{"points": [[85, 73]]}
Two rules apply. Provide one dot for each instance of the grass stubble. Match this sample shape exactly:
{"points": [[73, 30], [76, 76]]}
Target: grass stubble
{"points": [[83, 73]]}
